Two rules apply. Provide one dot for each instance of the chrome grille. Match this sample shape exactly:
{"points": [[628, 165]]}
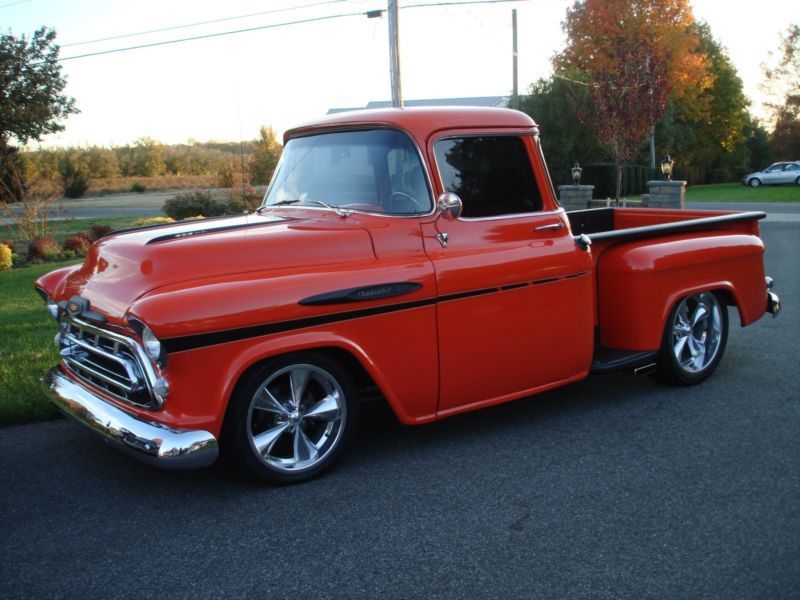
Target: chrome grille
{"points": [[106, 360]]}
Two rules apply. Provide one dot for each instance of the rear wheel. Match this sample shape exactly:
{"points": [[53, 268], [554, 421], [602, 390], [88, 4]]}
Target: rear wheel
{"points": [[755, 182], [694, 339], [291, 418], [797, 181]]}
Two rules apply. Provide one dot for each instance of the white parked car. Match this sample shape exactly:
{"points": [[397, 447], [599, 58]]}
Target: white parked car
{"points": [[775, 174]]}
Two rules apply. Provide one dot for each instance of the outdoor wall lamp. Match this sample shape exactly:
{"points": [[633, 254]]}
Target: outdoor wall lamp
{"points": [[666, 166], [576, 173]]}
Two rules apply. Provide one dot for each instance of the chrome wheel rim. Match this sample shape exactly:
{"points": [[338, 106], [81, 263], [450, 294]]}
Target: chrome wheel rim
{"points": [[697, 332], [296, 417]]}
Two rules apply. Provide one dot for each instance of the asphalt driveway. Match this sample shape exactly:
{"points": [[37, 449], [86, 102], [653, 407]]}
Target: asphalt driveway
{"points": [[616, 487]]}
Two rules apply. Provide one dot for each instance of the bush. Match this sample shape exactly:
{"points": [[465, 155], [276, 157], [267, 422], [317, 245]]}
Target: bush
{"points": [[6, 261], [78, 243], [152, 221], [74, 177], [188, 204], [138, 187], [43, 248], [98, 230], [251, 200], [11, 245]]}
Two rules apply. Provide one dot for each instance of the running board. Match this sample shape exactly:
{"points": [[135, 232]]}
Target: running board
{"points": [[609, 360]]}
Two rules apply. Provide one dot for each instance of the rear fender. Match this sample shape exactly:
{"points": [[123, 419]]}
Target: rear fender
{"points": [[639, 283]]}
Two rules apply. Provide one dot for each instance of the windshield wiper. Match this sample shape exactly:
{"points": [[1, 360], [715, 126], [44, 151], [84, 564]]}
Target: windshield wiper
{"points": [[339, 211], [280, 203]]}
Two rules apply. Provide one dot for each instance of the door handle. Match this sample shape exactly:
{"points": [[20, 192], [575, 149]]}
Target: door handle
{"points": [[550, 227]]}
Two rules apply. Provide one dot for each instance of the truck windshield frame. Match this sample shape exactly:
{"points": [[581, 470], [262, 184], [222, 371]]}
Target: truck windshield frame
{"points": [[376, 171]]}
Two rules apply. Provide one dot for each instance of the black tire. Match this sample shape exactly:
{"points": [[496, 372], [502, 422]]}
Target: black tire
{"points": [[797, 181], [291, 418], [694, 339], [754, 182]]}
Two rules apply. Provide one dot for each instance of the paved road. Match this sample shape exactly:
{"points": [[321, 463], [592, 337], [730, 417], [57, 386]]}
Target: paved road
{"points": [[616, 487]]}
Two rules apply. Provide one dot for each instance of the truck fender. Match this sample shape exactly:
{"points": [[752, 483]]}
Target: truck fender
{"points": [[256, 354], [639, 282]]}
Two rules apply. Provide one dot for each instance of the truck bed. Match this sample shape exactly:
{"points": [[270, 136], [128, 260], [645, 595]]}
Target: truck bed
{"points": [[604, 227]]}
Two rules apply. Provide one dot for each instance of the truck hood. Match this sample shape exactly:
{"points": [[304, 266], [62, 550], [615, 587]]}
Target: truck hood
{"points": [[126, 265]]}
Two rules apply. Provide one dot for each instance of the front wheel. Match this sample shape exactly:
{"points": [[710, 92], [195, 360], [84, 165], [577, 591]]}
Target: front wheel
{"points": [[694, 339], [755, 182], [291, 417]]}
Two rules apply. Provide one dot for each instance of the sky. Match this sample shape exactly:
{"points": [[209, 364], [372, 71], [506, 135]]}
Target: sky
{"points": [[225, 88]]}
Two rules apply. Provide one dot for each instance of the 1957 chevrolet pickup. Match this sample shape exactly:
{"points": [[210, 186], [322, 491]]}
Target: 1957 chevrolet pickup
{"points": [[415, 255]]}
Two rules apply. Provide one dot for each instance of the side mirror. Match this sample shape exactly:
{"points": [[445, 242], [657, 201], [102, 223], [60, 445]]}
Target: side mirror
{"points": [[449, 206]]}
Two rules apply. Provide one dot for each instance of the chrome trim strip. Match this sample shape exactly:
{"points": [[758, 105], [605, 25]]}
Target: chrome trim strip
{"points": [[526, 215], [147, 441], [125, 364], [76, 365]]}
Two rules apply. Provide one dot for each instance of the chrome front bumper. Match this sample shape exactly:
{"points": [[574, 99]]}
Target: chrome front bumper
{"points": [[148, 441]]}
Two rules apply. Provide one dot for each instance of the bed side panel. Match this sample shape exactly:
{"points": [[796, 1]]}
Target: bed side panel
{"points": [[639, 282]]}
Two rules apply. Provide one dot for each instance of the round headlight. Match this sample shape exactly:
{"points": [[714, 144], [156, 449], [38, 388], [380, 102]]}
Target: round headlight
{"points": [[151, 344]]}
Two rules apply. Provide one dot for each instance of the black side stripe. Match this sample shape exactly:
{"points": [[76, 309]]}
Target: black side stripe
{"points": [[200, 340], [191, 342]]}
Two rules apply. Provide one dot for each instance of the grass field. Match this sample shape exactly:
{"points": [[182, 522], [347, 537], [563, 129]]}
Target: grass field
{"points": [[734, 192], [116, 185], [26, 346]]}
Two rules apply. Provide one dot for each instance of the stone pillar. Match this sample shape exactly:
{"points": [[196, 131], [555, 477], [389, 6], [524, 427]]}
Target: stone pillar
{"points": [[666, 194], [575, 197]]}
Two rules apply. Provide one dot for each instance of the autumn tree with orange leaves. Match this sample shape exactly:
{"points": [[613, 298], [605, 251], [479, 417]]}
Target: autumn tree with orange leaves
{"points": [[623, 59]]}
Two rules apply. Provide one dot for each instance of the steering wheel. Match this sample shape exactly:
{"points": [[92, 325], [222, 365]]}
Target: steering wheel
{"points": [[403, 197]]}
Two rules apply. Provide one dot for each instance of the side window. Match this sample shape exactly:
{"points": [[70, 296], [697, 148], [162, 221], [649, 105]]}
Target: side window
{"points": [[491, 175], [792, 167]]}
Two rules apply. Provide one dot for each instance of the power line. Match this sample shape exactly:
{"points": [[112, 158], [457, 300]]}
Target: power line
{"points": [[198, 23], [270, 26], [14, 3], [207, 36], [456, 2]]}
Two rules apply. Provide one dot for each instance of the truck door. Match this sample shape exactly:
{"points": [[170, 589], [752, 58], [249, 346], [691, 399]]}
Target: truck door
{"points": [[515, 295]]}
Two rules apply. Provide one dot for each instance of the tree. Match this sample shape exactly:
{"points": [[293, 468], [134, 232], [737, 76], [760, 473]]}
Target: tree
{"points": [[31, 100], [708, 130], [565, 139], [782, 85], [267, 152], [625, 58], [148, 158]]}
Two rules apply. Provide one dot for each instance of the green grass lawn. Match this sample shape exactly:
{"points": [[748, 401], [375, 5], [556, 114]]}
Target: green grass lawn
{"points": [[27, 330], [734, 192], [26, 345]]}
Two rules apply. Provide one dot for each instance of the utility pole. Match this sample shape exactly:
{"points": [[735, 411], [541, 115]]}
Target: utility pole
{"points": [[394, 56], [515, 89]]}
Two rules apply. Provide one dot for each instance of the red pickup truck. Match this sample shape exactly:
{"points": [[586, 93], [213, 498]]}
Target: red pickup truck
{"points": [[419, 256]]}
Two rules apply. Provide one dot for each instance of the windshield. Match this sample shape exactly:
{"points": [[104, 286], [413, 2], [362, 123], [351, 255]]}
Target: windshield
{"points": [[376, 170]]}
